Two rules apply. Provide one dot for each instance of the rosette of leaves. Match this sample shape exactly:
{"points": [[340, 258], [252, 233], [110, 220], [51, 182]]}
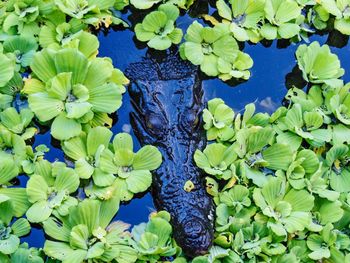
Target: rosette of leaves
{"points": [[13, 201], [339, 9], [10, 234], [335, 167], [256, 241], [244, 17], [319, 65], [218, 120], [283, 210], [282, 17], [158, 28], [306, 163], [12, 146], [18, 122], [329, 244], [132, 170], [92, 12], [25, 254], [153, 240], [210, 47], [73, 91], [49, 191], [86, 150], [33, 156], [338, 102], [117, 165], [60, 32], [216, 159], [237, 68], [234, 210], [318, 16], [22, 17], [23, 49], [298, 125], [87, 234]]}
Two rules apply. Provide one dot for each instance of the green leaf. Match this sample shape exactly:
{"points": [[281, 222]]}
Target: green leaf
{"points": [[9, 245], [63, 128], [43, 65], [278, 156], [20, 227], [71, 60], [139, 181], [105, 98], [37, 188], [44, 106], [7, 69], [39, 212], [147, 158]]}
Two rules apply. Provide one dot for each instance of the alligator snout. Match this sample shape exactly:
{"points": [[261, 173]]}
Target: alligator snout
{"points": [[196, 236]]}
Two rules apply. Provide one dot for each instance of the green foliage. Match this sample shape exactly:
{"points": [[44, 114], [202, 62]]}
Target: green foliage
{"points": [[65, 90], [158, 28], [280, 182], [319, 65], [216, 52]]}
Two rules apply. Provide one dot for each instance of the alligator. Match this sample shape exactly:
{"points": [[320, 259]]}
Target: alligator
{"points": [[167, 98]]}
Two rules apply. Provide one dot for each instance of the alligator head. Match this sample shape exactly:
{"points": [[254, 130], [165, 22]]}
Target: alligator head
{"points": [[167, 99]]}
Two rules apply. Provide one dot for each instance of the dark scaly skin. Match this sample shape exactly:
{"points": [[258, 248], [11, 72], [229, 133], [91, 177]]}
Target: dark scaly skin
{"points": [[167, 98]]}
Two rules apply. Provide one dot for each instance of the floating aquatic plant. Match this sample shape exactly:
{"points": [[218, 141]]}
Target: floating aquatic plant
{"points": [[282, 16], [158, 28], [60, 32], [10, 234], [280, 181], [153, 240], [244, 18], [18, 122], [218, 119], [23, 48], [65, 89], [117, 165], [87, 234], [49, 190], [319, 65], [92, 12], [215, 51], [339, 9]]}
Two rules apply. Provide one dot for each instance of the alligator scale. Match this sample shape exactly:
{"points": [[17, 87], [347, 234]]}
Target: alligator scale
{"points": [[167, 99]]}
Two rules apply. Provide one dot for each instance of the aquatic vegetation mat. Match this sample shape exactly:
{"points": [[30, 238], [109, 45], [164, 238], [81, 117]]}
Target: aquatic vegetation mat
{"points": [[280, 182]]}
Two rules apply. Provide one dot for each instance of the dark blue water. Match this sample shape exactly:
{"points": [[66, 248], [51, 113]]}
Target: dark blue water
{"points": [[266, 88]]}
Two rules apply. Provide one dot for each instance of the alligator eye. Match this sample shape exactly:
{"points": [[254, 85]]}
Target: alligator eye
{"points": [[190, 121], [154, 122]]}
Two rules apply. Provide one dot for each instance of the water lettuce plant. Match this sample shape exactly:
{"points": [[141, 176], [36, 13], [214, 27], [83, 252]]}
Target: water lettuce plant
{"points": [[216, 51], [92, 12], [218, 119], [66, 91], [318, 64], [244, 18], [280, 181], [153, 239], [340, 10], [49, 189], [158, 28], [114, 164], [282, 17], [87, 234]]}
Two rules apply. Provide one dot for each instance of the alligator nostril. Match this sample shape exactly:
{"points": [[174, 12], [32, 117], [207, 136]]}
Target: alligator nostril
{"points": [[193, 229]]}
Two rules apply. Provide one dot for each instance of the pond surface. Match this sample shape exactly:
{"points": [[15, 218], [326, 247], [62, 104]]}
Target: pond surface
{"points": [[266, 88]]}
